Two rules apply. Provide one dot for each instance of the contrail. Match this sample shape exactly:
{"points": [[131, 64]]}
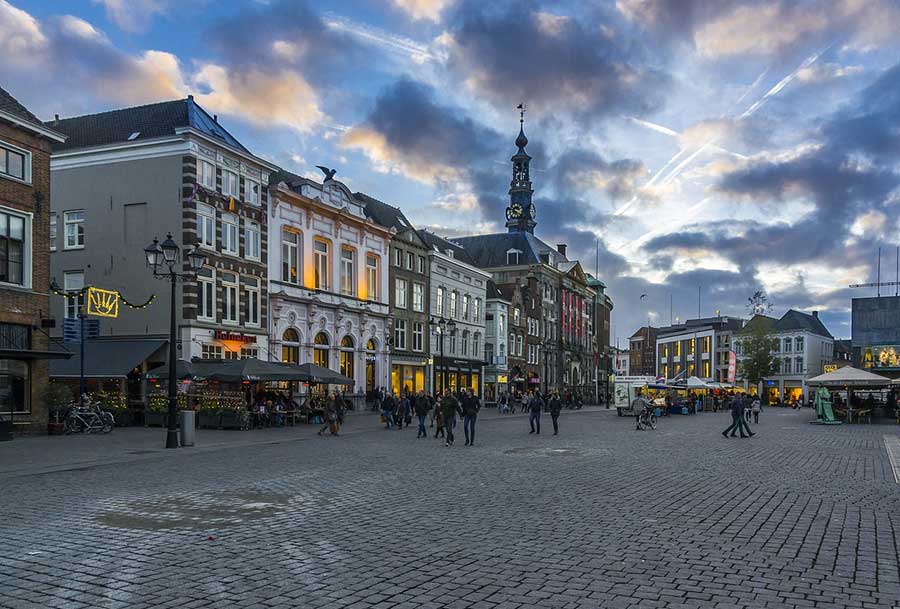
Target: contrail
{"points": [[407, 47]]}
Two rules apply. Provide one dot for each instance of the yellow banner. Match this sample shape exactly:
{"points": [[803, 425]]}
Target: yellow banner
{"points": [[102, 303]]}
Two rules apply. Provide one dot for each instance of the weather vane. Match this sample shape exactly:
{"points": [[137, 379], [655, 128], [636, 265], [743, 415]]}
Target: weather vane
{"points": [[521, 109]]}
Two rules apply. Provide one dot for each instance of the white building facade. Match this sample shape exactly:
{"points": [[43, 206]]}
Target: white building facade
{"points": [[328, 281], [458, 294], [496, 339], [622, 362]]}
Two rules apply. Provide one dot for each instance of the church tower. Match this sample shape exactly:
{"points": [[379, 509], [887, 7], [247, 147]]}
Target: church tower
{"points": [[520, 215]]}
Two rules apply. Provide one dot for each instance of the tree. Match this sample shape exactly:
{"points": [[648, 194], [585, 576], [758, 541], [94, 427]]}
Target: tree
{"points": [[759, 304], [759, 347]]}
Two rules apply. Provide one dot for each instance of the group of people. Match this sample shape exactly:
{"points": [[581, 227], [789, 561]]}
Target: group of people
{"points": [[741, 409], [510, 403]]}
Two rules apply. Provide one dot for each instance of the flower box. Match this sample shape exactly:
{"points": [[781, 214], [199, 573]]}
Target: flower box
{"points": [[232, 419], [208, 419], [155, 419]]}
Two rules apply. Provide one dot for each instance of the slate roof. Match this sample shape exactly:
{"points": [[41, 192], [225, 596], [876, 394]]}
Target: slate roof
{"points": [[381, 213], [797, 320], [722, 323], [291, 179], [759, 320], [10, 104], [439, 243], [150, 121], [489, 251]]}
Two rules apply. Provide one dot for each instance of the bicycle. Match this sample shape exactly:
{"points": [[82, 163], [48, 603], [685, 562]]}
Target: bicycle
{"points": [[88, 418], [646, 418]]}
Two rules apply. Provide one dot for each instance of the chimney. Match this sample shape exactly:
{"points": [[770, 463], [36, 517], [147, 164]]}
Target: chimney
{"points": [[561, 248], [816, 314], [56, 119], [191, 97], [216, 118]]}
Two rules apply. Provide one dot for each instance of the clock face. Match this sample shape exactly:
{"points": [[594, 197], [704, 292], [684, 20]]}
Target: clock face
{"points": [[514, 211]]}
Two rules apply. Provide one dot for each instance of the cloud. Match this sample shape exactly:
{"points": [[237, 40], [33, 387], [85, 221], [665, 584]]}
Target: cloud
{"points": [[578, 169], [556, 64], [20, 34], [765, 29], [133, 15], [423, 9]]}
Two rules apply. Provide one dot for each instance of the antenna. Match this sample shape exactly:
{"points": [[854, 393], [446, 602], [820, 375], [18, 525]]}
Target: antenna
{"points": [[878, 284], [699, 315]]}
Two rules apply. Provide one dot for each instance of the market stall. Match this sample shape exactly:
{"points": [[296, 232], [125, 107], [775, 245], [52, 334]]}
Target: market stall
{"points": [[850, 380]]}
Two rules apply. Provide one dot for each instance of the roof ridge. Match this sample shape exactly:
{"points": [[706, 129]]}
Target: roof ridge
{"points": [[127, 108]]}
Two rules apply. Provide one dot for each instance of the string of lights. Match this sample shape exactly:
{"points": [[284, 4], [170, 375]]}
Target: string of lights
{"points": [[83, 291]]}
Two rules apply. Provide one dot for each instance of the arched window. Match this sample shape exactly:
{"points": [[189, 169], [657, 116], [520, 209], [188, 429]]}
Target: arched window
{"points": [[290, 346], [347, 354], [320, 350], [370, 345]]}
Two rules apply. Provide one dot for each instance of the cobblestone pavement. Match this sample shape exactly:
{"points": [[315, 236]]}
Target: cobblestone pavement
{"points": [[599, 516]]}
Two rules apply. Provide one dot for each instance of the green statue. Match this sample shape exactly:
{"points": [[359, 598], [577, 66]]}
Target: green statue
{"points": [[824, 413]]}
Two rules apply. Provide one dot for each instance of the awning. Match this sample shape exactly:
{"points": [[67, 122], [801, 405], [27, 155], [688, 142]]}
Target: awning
{"points": [[33, 354], [108, 359]]}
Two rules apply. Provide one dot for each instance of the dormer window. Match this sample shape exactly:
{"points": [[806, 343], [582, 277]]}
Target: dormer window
{"points": [[513, 257], [450, 253]]}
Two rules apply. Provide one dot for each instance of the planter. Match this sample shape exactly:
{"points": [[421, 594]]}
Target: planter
{"points": [[155, 419], [207, 419], [232, 419], [55, 429], [124, 418]]}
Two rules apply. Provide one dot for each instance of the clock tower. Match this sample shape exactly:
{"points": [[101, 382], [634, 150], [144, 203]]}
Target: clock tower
{"points": [[520, 215]]}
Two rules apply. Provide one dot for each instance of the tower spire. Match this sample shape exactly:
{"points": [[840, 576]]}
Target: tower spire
{"points": [[521, 213]]}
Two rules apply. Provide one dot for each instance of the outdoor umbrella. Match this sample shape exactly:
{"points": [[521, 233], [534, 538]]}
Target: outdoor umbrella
{"points": [[183, 370], [249, 369], [318, 374], [848, 376], [697, 383]]}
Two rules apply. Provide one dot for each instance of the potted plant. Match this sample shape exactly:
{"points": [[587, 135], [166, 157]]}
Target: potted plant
{"points": [[156, 411], [116, 403], [57, 397], [208, 417]]}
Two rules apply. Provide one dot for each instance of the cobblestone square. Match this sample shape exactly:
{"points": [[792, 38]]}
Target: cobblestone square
{"points": [[599, 516]]}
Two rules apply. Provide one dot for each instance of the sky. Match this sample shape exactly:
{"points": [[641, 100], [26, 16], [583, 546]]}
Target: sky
{"points": [[690, 151]]}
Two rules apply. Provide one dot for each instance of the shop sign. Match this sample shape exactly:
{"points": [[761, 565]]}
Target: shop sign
{"points": [[534, 381], [234, 336], [732, 367], [102, 303], [503, 379], [829, 368]]}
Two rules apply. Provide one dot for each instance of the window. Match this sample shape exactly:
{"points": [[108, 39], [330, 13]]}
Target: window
{"points": [[230, 234], [248, 352], [206, 173], [422, 264], [512, 257], [372, 276], [418, 303], [251, 240], [15, 163], [502, 349], [517, 316], [453, 342], [398, 257], [73, 281], [453, 304], [798, 344], [53, 232], [787, 345], [465, 306], [321, 265], [320, 350], [290, 346], [15, 382], [230, 301], [400, 293], [465, 342], [786, 369], [206, 225], [346, 367], [501, 322], [798, 365], [206, 284], [400, 334], [348, 272], [476, 310], [418, 336], [251, 191], [290, 257], [229, 183], [13, 250], [410, 258], [439, 304], [519, 343], [231, 354], [251, 290], [74, 221], [208, 351]]}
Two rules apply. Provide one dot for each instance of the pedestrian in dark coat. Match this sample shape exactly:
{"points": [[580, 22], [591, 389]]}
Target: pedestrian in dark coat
{"points": [[470, 406], [737, 419], [422, 408], [555, 408], [450, 408], [535, 406], [387, 410]]}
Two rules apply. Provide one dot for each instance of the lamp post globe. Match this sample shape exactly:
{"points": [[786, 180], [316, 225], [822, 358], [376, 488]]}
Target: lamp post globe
{"points": [[196, 260], [153, 254], [170, 250]]}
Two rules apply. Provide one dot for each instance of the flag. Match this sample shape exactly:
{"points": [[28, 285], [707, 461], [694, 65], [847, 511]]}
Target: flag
{"points": [[231, 204]]}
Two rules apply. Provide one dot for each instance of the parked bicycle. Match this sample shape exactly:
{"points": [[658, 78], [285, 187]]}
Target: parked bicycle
{"points": [[646, 418], [88, 418]]}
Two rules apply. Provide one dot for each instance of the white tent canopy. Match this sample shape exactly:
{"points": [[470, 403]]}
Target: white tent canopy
{"points": [[697, 383], [848, 376]]}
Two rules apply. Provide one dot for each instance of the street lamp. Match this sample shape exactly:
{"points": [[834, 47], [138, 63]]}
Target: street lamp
{"points": [[163, 260], [443, 325]]}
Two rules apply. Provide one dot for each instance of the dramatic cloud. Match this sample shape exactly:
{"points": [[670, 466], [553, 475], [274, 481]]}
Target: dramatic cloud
{"points": [[571, 65], [423, 9], [133, 15]]}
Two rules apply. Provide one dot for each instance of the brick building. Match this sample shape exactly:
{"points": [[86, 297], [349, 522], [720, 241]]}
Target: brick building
{"points": [[25, 145]]}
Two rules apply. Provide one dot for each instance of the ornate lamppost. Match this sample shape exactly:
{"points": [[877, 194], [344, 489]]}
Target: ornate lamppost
{"points": [[163, 259], [442, 325]]}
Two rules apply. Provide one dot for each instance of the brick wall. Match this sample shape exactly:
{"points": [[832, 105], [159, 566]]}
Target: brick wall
{"points": [[27, 305]]}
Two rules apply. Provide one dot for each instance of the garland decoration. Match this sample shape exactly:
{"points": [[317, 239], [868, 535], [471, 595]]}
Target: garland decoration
{"points": [[54, 287]]}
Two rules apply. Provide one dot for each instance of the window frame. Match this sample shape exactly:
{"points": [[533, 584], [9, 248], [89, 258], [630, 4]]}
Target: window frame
{"points": [[286, 247], [27, 249], [54, 230], [203, 164], [226, 175], [400, 332], [373, 276], [231, 289], [410, 261], [251, 227], [422, 267], [202, 282], [76, 224], [439, 301], [418, 297], [418, 336], [326, 258], [68, 301], [203, 230], [348, 277], [5, 150], [398, 292], [231, 231], [248, 188], [252, 291]]}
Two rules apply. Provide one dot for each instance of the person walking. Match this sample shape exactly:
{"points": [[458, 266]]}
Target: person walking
{"points": [[470, 406], [439, 420], [756, 407], [331, 422], [387, 410], [450, 408], [422, 408], [399, 411], [555, 406], [535, 405], [737, 419]]}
